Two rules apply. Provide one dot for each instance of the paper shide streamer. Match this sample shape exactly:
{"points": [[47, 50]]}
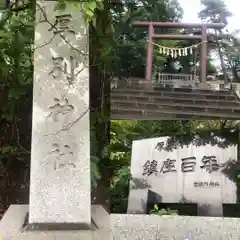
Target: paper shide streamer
{"points": [[177, 52]]}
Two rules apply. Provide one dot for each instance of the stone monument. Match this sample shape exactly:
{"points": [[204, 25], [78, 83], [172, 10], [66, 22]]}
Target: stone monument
{"points": [[192, 173], [60, 186]]}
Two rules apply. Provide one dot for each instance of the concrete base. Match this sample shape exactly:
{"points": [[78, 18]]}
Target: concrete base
{"points": [[13, 227], [152, 227], [204, 86]]}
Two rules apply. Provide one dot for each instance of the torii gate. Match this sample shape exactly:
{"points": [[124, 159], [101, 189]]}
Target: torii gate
{"points": [[202, 37]]}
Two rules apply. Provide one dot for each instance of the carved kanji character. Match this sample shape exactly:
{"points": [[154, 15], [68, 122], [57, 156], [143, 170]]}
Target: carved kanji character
{"points": [[60, 67], [168, 166], [188, 164], [210, 163], [195, 184], [61, 24], [216, 184], [60, 108], [205, 184], [64, 156], [159, 146], [211, 184], [149, 168], [200, 184]]}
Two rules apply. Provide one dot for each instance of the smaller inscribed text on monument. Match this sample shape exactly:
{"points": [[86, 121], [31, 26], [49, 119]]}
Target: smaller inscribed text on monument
{"points": [[209, 164], [61, 108], [206, 184], [62, 24], [63, 156], [159, 146]]}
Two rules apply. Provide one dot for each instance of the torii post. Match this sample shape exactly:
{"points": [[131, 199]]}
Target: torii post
{"points": [[202, 37]]}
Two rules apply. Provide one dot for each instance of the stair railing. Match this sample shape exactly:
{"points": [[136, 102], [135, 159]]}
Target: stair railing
{"points": [[177, 80]]}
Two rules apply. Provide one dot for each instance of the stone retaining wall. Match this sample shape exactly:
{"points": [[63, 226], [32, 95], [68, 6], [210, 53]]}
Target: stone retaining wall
{"points": [[153, 227]]}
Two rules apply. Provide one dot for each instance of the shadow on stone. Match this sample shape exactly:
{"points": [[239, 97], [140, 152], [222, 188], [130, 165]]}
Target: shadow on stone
{"points": [[154, 197], [58, 226], [138, 183]]}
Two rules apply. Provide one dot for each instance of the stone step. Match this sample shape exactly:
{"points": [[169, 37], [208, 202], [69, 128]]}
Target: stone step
{"points": [[166, 89], [185, 107], [145, 114], [166, 99], [161, 117], [228, 97], [176, 90]]}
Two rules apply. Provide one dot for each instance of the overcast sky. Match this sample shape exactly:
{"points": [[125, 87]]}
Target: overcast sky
{"points": [[193, 7]]}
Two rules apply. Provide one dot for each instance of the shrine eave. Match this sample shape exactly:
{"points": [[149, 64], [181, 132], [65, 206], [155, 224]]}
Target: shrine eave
{"points": [[179, 24], [178, 37]]}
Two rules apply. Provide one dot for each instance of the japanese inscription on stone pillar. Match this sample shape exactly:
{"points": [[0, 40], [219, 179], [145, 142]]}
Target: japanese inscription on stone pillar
{"points": [[60, 132]]}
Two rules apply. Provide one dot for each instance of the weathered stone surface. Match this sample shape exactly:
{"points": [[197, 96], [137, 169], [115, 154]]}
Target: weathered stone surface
{"points": [[60, 158], [11, 227], [146, 227]]}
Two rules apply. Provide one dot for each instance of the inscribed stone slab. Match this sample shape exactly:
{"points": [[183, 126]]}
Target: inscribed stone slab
{"points": [[198, 173], [60, 158]]}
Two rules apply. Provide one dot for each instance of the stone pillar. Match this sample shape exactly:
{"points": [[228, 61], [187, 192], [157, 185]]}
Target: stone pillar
{"points": [[60, 186], [60, 158]]}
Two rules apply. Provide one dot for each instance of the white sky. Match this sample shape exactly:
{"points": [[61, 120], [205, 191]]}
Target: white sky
{"points": [[193, 7]]}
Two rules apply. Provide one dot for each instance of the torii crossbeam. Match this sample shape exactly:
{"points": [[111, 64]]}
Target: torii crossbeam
{"points": [[202, 37]]}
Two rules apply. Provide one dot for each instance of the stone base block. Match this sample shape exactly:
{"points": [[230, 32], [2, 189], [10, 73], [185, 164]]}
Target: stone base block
{"points": [[13, 226], [153, 227]]}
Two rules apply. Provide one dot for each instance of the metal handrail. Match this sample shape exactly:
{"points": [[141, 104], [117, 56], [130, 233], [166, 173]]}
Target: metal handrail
{"points": [[177, 79]]}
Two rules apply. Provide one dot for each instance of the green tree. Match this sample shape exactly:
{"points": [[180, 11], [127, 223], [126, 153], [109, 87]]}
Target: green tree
{"points": [[232, 53], [215, 11], [130, 46], [16, 71]]}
